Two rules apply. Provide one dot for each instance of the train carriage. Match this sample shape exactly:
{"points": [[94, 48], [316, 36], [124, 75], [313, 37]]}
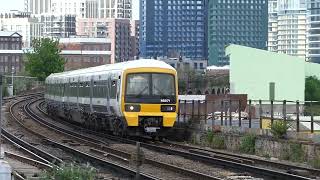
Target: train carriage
{"points": [[133, 98]]}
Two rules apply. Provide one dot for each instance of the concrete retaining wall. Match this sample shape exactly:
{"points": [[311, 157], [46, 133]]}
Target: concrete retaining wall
{"points": [[265, 144]]}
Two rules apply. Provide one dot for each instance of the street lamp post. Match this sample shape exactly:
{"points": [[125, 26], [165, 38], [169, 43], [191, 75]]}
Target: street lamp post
{"points": [[12, 72], [0, 116]]}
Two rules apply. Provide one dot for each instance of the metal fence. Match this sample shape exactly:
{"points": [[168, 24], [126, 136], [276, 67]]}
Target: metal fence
{"points": [[301, 116], [20, 84]]}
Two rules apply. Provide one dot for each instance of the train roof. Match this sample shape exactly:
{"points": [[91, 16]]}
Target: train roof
{"points": [[141, 63]]}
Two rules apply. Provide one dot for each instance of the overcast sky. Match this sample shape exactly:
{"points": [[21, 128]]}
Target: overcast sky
{"points": [[19, 5]]}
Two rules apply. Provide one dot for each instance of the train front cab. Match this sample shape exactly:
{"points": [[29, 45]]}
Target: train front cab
{"points": [[149, 100]]}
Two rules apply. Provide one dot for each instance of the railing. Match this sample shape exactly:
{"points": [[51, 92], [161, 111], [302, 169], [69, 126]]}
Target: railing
{"points": [[302, 116]]}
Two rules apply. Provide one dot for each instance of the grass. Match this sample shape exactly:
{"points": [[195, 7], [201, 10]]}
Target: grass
{"points": [[295, 153], [215, 141], [315, 162], [70, 172], [248, 143]]}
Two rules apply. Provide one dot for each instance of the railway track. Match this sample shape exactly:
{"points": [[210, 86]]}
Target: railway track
{"points": [[25, 159], [123, 169], [101, 147], [224, 160], [243, 158]]}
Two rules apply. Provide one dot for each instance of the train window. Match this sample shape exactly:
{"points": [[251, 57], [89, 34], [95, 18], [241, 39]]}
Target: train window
{"points": [[100, 89], [113, 90], [87, 89]]}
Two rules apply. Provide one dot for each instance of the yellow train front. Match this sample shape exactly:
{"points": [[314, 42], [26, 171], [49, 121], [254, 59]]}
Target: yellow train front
{"points": [[149, 102]]}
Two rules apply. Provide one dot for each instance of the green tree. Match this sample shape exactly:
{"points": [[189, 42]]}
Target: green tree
{"points": [[44, 59], [312, 89]]}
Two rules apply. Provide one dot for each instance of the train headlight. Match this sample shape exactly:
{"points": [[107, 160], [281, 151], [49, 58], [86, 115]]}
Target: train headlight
{"points": [[132, 108], [168, 108]]}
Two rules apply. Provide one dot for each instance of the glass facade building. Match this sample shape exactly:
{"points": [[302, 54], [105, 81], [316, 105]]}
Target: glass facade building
{"points": [[242, 22], [173, 28], [313, 27]]}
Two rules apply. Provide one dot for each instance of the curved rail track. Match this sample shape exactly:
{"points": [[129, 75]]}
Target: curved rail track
{"points": [[240, 163], [101, 147], [31, 155], [95, 160]]}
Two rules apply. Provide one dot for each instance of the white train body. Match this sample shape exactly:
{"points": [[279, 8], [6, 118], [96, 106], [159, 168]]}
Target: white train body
{"points": [[98, 97]]}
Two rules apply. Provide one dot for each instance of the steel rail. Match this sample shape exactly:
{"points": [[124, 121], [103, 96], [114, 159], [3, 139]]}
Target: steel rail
{"points": [[253, 159], [264, 172], [42, 155], [118, 152], [17, 176], [27, 160], [86, 156]]}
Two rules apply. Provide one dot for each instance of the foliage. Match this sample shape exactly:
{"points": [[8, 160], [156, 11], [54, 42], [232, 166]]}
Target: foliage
{"points": [[5, 92], [316, 162], [314, 109], [45, 58], [215, 141], [279, 129], [210, 136], [295, 153], [195, 80], [312, 89], [247, 144], [70, 172]]}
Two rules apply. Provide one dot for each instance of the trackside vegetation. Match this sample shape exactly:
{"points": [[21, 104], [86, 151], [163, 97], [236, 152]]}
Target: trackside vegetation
{"points": [[70, 172], [44, 59]]}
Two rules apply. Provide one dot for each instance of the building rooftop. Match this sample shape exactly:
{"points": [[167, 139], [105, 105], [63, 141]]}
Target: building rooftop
{"points": [[9, 34], [84, 40], [227, 67]]}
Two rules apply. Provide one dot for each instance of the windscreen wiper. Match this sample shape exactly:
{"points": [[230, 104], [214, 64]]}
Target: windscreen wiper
{"points": [[144, 89]]}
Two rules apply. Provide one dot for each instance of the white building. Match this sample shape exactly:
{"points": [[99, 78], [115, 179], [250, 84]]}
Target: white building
{"points": [[115, 9], [287, 27], [29, 28], [83, 8], [37, 6], [273, 25]]}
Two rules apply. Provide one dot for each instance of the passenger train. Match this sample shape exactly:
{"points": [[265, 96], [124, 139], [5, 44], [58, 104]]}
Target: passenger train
{"points": [[138, 97]]}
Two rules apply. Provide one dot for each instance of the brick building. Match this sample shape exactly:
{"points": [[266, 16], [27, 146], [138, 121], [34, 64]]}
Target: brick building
{"points": [[85, 52], [135, 27], [117, 30], [10, 52]]}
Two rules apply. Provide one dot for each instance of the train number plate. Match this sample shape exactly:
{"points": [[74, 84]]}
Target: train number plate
{"points": [[151, 129]]}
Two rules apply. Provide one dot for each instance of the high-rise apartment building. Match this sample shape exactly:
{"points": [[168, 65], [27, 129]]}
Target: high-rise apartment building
{"points": [[115, 9], [173, 28], [273, 25], [59, 26], [82, 8], [242, 22], [287, 27], [38, 6], [313, 27], [74, 7]]}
